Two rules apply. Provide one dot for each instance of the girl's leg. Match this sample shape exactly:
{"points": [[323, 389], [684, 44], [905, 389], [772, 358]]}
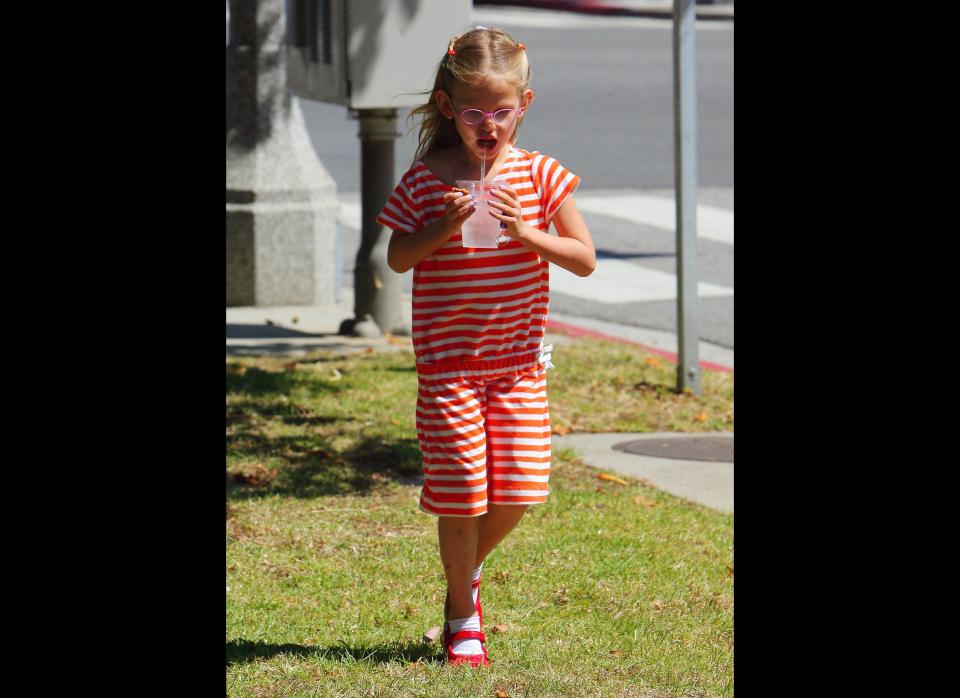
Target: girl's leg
{"points": [[458, 551], [493, 527], [519, 443]]}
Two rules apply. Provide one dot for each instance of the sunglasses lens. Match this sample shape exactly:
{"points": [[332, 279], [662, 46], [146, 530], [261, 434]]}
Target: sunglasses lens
{"points": [[503, 117], [472, 117]]}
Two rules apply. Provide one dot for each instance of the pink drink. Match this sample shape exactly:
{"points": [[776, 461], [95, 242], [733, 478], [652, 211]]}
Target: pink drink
{"points": [[480, 229]]}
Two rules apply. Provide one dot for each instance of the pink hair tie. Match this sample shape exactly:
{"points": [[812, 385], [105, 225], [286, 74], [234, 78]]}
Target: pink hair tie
{"points": [[522, 46]]}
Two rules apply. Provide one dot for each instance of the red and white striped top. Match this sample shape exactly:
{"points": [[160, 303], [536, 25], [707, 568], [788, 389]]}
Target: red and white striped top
{"points": [[474, 305]]}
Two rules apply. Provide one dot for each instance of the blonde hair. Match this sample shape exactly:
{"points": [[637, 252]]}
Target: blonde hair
{"points": [[471, 59]]}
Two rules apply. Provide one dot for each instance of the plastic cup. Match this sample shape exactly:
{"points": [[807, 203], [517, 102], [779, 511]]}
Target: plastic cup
{"points": [[480, 229]]}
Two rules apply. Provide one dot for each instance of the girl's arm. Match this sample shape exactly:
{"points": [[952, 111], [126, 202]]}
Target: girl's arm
{"points": [[406, 250], [573, 249]]}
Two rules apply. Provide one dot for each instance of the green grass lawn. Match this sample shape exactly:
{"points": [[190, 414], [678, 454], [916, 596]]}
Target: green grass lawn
{"points": [[333, 574]]}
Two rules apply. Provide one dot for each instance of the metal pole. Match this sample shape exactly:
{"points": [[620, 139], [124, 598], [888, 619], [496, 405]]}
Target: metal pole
{"points": [[378, 290], [685, 182]]}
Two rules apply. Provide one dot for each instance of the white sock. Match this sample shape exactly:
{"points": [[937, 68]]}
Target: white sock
{"points": [[476, 576], [470, 646]]}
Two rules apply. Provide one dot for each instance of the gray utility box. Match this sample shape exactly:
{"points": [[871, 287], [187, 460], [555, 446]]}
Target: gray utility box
{"points": [[369, 54]]}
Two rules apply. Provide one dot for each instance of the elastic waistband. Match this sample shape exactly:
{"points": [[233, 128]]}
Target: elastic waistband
{"points": [[479, 368]]}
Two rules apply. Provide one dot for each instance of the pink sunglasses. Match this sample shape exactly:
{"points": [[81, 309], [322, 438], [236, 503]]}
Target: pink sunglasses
{"points": [[502, 117]]}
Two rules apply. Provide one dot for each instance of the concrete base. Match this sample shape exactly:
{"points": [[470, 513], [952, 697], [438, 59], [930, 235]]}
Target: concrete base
{"points": [[281, 253]]}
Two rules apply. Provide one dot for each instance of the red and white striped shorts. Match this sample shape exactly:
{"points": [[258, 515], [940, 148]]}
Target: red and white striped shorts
{"points": [[484, 436]]}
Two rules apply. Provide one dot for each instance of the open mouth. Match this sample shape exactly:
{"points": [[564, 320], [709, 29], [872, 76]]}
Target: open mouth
{"points": [[487, 143]]}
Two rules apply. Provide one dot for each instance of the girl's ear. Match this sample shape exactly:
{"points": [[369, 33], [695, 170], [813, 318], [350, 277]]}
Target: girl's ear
{"points": [[444, 104], [527, 98]]}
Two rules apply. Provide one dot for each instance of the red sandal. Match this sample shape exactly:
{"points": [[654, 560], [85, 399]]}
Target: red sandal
{"points": [[474, 660]]}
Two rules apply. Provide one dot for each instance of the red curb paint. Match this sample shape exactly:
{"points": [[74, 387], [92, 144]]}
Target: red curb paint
{"points": [[575, 331]]}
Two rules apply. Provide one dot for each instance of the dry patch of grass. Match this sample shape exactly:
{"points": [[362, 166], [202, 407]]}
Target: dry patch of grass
{"points": [[610, 386]]}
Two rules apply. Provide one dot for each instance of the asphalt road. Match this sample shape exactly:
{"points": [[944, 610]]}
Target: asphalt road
{"points": [[603, 107]]}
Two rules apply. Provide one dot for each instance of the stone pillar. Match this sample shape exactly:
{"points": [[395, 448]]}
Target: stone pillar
{"points": [[281, 203]]}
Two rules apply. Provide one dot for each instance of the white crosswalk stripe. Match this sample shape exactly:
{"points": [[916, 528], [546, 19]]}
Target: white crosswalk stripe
{"points": [[712, 223], [615, 280]]}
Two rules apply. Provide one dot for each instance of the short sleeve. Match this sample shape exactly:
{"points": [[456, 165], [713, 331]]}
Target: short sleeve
{"points": [[554, 184], [400, 211]]}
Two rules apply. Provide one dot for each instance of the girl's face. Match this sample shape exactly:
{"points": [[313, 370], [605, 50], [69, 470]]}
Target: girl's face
{"points": [[487, 138]]}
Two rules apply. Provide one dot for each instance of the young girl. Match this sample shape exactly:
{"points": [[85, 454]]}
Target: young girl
{"points": [[479, 315]]}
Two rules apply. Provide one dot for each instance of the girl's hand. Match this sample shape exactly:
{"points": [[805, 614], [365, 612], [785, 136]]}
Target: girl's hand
{"points": [[460, 207], [510, 216]]}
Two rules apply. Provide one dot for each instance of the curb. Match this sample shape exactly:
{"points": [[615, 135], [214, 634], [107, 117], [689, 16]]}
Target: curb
{"points": [[601, 8], [575, 331]]}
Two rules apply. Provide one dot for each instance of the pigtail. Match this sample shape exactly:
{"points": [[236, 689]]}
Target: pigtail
{"points": [[451, 51]]}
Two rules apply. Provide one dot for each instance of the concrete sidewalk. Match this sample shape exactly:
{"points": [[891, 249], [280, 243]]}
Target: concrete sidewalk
{"points": [[707, 482], [296, 330], [675, 462]]}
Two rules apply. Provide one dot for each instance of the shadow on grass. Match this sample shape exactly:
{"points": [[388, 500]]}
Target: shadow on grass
{"points": [[244, 651], [312, 469], [256, 381], [280, 444], [242, 411]]}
